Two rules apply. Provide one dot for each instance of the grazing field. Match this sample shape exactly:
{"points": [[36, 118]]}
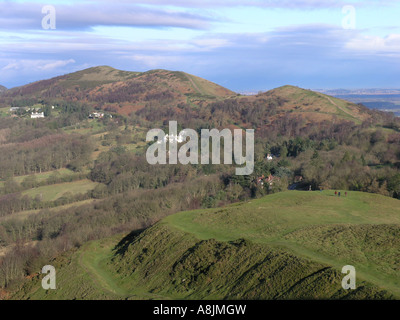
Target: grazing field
{"points": [[42, 177], [4, 112], [87, 127], [277, 215], [289, 245], [55, 191], [63, 172]]}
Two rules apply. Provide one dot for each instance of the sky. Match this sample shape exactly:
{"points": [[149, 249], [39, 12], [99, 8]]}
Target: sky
{"points": [[252, 45]]}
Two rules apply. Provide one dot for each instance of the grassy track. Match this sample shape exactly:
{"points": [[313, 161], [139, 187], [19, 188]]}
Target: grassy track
{"points": [[92, 258]]}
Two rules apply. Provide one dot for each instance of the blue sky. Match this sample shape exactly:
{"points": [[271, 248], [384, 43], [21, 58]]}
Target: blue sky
{"points": [[243, 45]]}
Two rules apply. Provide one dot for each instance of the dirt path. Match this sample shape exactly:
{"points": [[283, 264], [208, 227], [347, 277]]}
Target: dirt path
{"points": [[194, 84], [336, 105], [91, 259]]}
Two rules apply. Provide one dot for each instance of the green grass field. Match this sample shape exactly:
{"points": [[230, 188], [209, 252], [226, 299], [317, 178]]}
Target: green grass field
{"points": [[289, 245], [277, 215], [86, 127], [5, 112], [316, 225], [43, 176], [55, 191]]}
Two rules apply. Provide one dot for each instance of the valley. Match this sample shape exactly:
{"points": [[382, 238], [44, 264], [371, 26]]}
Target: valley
{"points": [[76, 191]]}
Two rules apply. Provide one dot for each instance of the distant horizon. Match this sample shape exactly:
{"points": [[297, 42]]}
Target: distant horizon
{"points": [[244, 92], [241, 45]]}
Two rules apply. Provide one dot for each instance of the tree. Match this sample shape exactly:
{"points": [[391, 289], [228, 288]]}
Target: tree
{"points": [[30, 182], [394, 185]]}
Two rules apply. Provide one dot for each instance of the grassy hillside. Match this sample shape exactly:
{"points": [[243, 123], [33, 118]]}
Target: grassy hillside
{"points": [[120, 91], [315, 106], [360, 229], [290, 245], [126, 92]]}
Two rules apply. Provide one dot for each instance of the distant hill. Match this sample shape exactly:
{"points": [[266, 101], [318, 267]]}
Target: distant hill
{"points": [[315, 106], [289, 245], [288, 106], [122, 91], [2, 88]]}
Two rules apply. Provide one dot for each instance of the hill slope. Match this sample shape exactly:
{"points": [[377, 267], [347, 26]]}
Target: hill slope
{"points": [[2, 88], [125, 92], [120, 91], [296, 244], [315, 106]]}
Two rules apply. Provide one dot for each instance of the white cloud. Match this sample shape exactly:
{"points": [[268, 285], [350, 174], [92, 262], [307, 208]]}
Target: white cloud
{"points": [[365, 44], [56, 64], [292, 4], [36, 65], [83, 16], [155, 61], [211, 43]]}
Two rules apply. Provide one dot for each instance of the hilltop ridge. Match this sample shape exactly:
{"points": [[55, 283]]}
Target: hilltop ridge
{"points": [[312, 105], [120, 91], [125, 92]]}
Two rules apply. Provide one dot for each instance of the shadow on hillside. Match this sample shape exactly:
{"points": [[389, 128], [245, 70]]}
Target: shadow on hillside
{"points": [[123, 245]]}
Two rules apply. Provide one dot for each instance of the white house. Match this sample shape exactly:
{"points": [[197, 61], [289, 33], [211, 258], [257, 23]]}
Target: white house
{"points": [[36, 115], [96, 115], [172, 138]]}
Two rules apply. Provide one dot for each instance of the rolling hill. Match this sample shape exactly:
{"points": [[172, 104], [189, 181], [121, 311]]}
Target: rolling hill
{"points": [[74, 209], [119, 91], [124, 92], [315, 106], [289, 245]]}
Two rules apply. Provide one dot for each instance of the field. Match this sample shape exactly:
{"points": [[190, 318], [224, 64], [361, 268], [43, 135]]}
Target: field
{"points": [[4, 112], [277, 215], [43, 176], [71, 182], [88, 127], [290, 245], [55, 191]]}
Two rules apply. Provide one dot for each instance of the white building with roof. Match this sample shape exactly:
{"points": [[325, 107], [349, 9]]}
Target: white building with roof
{"points": [[37, 115]]}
